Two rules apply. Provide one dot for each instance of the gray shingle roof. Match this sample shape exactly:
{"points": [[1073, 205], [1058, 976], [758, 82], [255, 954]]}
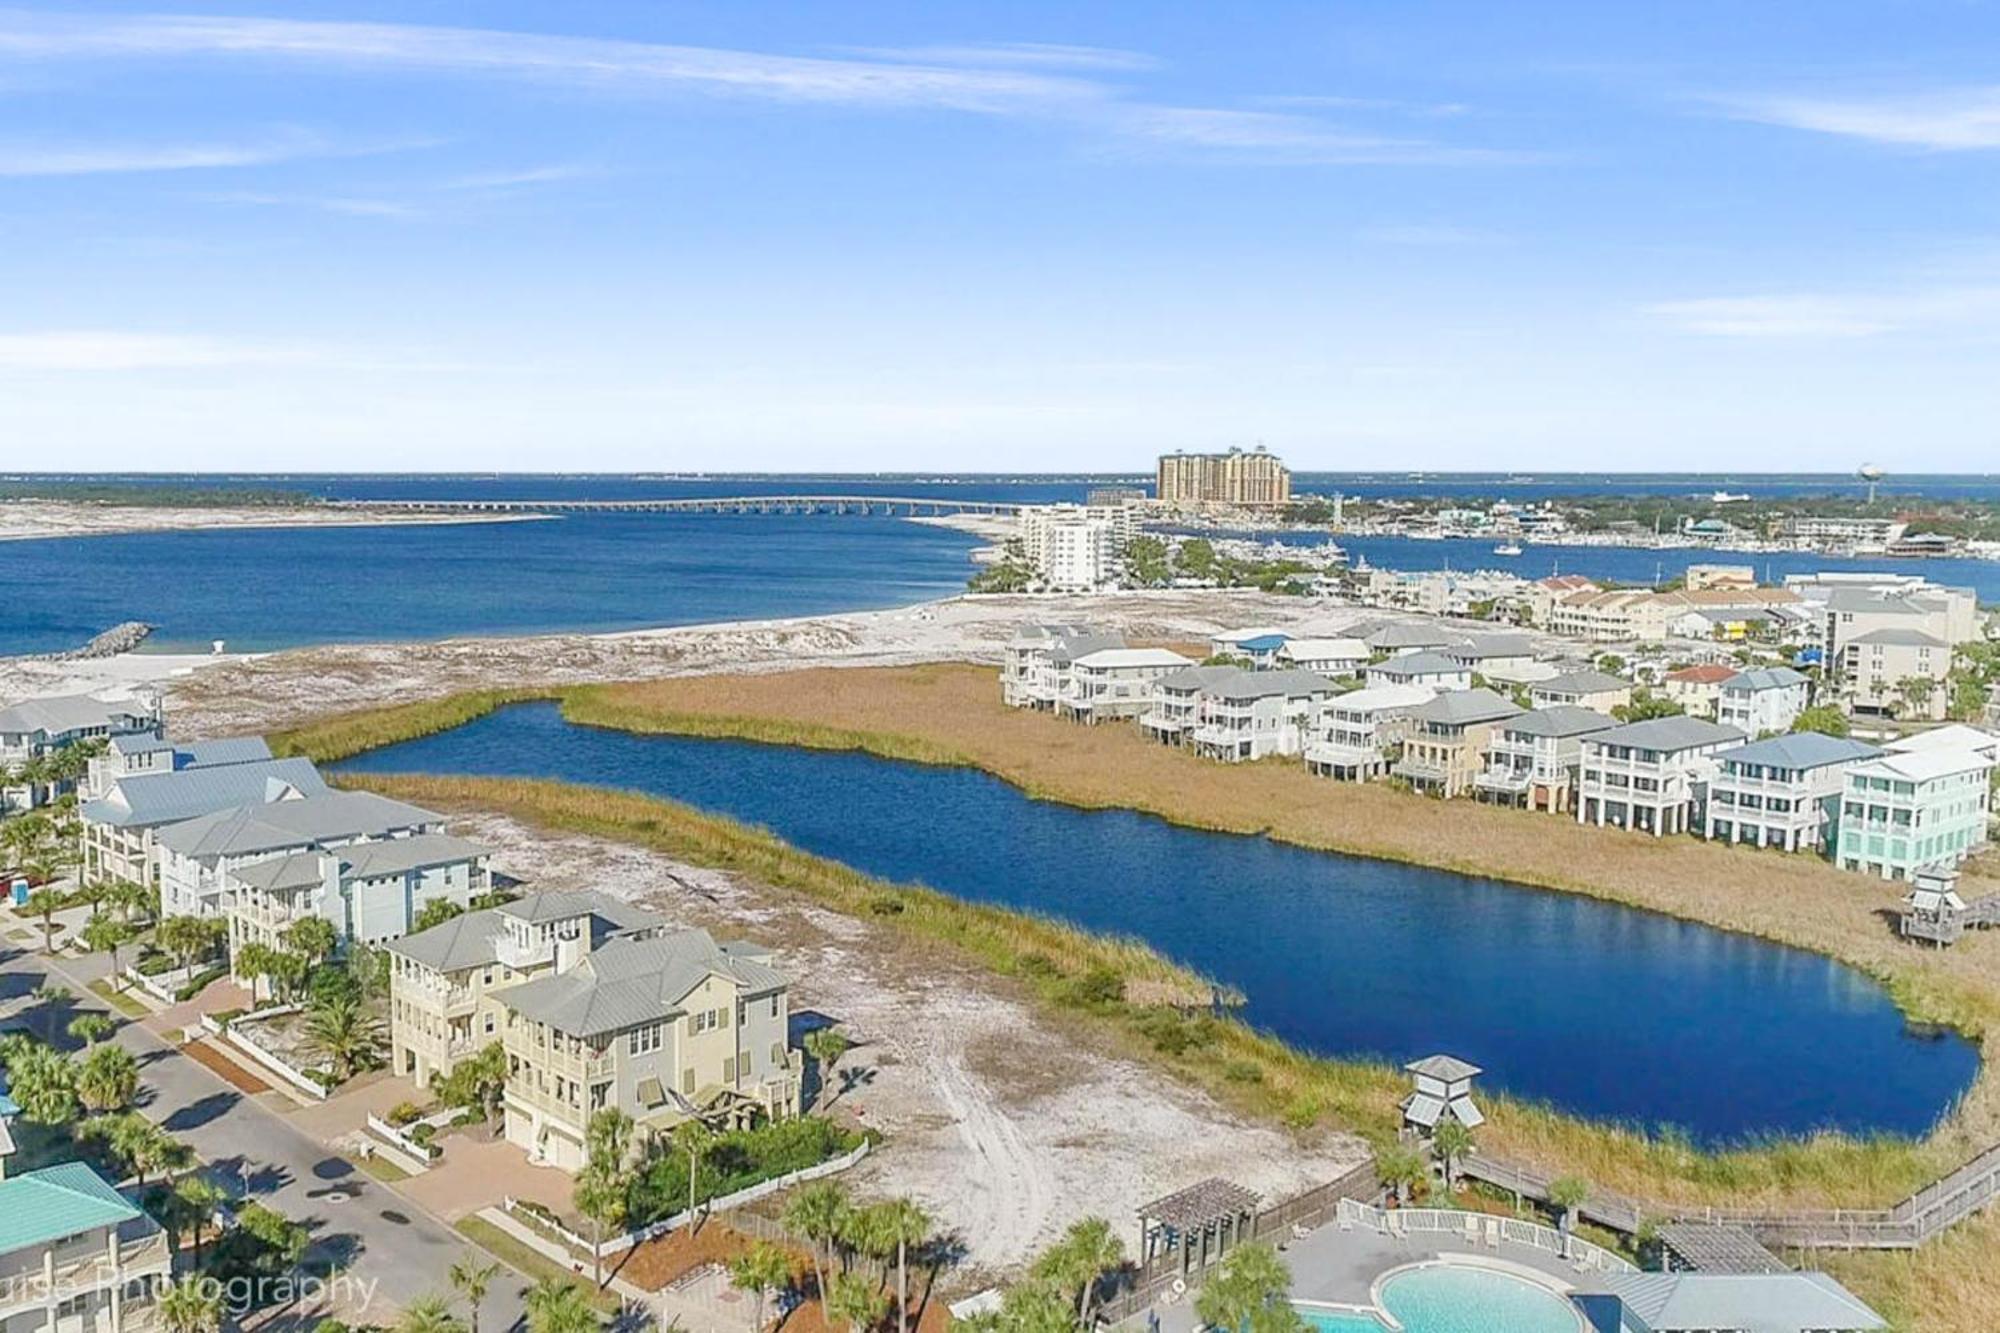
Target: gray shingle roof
{"points": [[1872, 601], [1581, 683], [1903, 638], [1465, 708], [146, 800], [629, 982], [1267, 684], [1804, 749], [1751, 1302], [273, 825], [1488, 646], [1197, 678], [1764, 678], [1668, 734], [70, 712], [1409, 635], [1447, 1068], [1406, 665], [1559, 720], [469, 939]]}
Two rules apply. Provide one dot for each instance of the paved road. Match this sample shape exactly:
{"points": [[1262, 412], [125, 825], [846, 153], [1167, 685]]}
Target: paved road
{"points": [[378, 1233]]}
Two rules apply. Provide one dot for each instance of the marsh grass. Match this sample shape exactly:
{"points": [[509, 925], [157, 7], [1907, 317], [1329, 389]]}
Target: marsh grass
{"points": [[950, 715]]}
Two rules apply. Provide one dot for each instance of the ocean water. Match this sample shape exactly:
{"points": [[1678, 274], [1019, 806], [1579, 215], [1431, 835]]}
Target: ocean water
{"points": [[1601, 1009], [260, 589], [268, 588]]}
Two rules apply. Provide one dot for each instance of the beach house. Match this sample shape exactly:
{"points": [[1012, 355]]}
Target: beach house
{"points": [[146, 754], [368, 891], [1697, 689], [1444, 747], [36, 729], [1766, 699], [1647, 776], [1532, 758], [1175, 709], [76, 1256], [444, 983], [1784, 791], [1422, 667], [1256, 714], [196, 857], [1599, 691], [1924, 803], [1360, 733], [1326, 657], [1037, 659], [1114, 683], [666, 1028], [121, 825]]}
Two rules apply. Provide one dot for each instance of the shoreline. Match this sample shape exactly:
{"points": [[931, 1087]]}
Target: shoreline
{"points": [[1665, 1167], [46, 520]]}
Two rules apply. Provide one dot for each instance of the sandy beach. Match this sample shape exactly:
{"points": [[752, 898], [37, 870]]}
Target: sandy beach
{"points": [[27, 520]]}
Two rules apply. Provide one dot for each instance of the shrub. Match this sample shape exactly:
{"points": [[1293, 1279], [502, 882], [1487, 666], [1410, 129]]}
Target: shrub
{"points": [[403, 1113], [885, 904], [1242, 1071], [737, 1160], [1100, 986], [1037, 966], [1301, 1112], [421, 1135], [200, 982]]}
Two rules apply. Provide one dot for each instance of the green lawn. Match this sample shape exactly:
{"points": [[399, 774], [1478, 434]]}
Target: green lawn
{"points": [[119, 1001]]}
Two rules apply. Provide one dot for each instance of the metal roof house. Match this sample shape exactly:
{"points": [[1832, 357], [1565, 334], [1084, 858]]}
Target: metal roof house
{"points": [[1723, 1303], [1434, 669], [1598, 690], [1646, 775], [120, 826], [1532, 759], [1767, 699], [196, 855], [38, 727], [1783, 791], [1038, 657], [67, 1235]]}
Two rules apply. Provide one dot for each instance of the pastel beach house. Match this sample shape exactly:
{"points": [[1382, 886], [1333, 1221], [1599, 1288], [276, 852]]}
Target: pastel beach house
{"points": [[1111, 684], [1647, 776], [1532, 759], [1783, 791]]}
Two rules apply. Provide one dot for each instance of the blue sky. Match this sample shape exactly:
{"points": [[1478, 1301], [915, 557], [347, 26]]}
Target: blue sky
{"points": [[959, 237]]}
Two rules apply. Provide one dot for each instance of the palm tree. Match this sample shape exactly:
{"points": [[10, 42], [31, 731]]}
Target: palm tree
{"points": [[907, 1224], [429, 1314], [198, 1198], [103, 934], [1450, 1141], [45, 903], [758, 1270], [1248, 1291], [815, 1213], [825, 1046], [314, 937], [1566, 1195], [189, 1306], [344, 1033], [557, 1305], [108, 1079], [693, 1138], [855, 1302], [1087, 1251], [608, 1138], [600, 1194], [470, 1279], [1399, 1169], [255, 961], [92, 1027]]}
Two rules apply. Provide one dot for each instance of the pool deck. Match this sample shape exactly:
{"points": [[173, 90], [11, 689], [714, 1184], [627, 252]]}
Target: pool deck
{"points": [[1337, 1267]]}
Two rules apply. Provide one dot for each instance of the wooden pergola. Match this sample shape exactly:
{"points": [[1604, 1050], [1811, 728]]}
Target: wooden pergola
{"points": [[1200, 1223]]}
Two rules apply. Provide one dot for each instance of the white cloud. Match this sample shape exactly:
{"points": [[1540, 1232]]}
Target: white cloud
{"points": [[98, 349], [1043, 55], [1811, 315], [1958, 119], [1007, 79], [509, 179], [344, 205], [86, 160]]}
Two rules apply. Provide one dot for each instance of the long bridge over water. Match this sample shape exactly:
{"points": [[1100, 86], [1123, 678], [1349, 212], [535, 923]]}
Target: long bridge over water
{"points": [[891, 505]]}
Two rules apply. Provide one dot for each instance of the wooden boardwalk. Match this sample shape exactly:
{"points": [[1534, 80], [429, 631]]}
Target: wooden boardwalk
{"points": [[1908, 1224], [906, 505]]}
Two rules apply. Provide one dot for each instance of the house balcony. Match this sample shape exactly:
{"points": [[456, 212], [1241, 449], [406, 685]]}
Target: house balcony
{"points": [[1338, 754], [1418, 772]]}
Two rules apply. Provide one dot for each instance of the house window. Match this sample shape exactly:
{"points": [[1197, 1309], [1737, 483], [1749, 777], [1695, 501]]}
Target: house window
{"points": [[643, 1041]]}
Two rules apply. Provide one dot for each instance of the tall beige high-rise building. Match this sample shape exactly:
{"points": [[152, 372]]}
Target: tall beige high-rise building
{"points": [[1255, 477]]}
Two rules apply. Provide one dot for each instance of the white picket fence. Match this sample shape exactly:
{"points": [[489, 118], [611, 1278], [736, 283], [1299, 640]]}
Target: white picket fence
{"points": [[1484, 1229], [265, 1059], [721, 1203]]}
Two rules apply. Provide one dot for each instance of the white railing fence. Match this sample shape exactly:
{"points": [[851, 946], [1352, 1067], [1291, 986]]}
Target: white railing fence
{"points": [[1484, 1229]]}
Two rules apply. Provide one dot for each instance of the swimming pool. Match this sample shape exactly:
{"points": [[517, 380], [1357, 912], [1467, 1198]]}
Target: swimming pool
{"points": [[1454, 1298]]}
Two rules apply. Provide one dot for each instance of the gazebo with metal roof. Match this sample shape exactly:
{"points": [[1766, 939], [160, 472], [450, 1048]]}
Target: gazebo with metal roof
{"points": [[1213, 1210]]}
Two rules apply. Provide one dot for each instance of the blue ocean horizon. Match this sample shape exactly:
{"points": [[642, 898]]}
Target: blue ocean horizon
{"points": [[260, 589]]}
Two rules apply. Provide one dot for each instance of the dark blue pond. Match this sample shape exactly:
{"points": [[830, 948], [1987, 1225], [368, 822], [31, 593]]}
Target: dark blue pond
{"points": [[1604, 1010]]}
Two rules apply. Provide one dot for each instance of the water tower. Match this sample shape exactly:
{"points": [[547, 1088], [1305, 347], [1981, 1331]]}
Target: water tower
{"points": [[1871, 474]]}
